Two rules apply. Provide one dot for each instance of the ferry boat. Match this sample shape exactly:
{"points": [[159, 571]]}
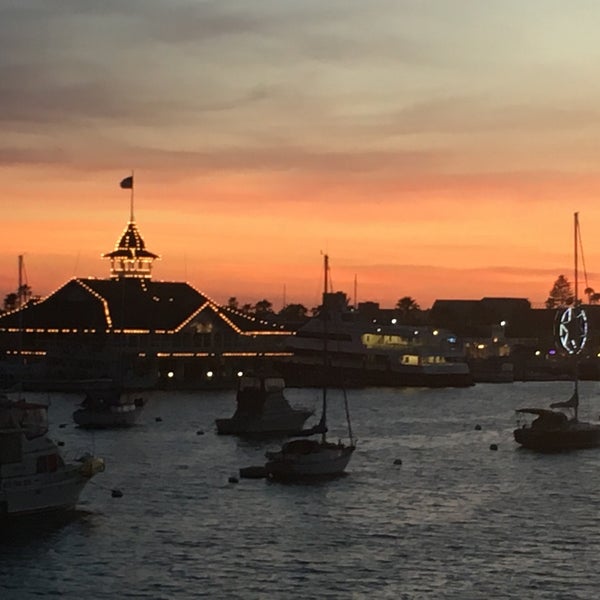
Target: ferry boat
{"points": [[363, 354]]}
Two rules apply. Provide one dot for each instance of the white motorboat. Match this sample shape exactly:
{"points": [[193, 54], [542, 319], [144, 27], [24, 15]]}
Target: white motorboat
{"points": [[34, 478]]}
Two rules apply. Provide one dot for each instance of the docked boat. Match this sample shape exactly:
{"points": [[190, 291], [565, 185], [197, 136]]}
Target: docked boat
{"points": [[263, 410], [558, 427], [34, 478], [109, 408], [365, 353], [306, 458]]}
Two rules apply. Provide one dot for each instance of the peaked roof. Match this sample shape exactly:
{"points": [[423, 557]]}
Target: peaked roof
{"points": [[98, 305], [131, 245]]}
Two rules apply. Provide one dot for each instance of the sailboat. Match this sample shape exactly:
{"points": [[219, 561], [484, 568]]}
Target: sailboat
{"points": [[309, 458], [558, 427]]}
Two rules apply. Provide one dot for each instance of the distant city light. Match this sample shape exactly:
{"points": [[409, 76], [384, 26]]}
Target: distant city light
{"points": [[209, 374], [538, 352], [170, 374], [394, 321], [502, 323], [552, 352], [240, 373], [436, 332]]}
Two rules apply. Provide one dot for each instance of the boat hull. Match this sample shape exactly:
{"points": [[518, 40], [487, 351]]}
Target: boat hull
{"points": [[313, 375], [329, 461], [45, 493], [558, 440], [290, 424], [89, 419]]}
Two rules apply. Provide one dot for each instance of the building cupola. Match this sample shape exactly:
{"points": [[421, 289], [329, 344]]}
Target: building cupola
{"points": [[130, 259]]}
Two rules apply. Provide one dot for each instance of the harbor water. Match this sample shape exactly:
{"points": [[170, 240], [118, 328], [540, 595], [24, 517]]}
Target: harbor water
{"points": [[427, 510]]}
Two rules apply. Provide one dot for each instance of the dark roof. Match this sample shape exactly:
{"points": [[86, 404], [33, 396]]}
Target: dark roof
{"points": [[130, 304], [130, 245]]}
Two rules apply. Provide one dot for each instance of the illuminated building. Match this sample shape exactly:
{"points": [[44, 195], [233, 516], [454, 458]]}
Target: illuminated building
{"points": [[144, 332]]}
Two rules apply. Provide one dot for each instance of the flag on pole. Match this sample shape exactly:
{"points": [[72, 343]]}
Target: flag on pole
{"points": [[127, 183]]}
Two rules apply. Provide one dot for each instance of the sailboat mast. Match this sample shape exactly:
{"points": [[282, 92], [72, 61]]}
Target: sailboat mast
{"points": [[575, 311], [576, 266], [325, 315]]}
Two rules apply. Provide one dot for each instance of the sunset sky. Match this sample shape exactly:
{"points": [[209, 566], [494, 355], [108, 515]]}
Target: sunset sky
{"points": [[434, 149]]}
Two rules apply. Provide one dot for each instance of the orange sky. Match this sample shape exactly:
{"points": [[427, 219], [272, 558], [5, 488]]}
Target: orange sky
{"points": [[433, 149]]}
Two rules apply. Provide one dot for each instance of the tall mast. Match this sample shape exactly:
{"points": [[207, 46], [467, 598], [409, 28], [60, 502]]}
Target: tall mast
{"points": [[576, 312], [325, 332], [576, 243]]}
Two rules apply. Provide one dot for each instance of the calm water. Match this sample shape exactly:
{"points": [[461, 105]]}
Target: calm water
{"points": [[454, 520]]}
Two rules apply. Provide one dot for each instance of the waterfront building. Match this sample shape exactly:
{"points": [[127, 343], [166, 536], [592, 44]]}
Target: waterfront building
{"points": [[144, 332]]}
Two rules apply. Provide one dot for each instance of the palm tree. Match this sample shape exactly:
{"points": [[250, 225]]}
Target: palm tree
{"points": [[407, 307]]}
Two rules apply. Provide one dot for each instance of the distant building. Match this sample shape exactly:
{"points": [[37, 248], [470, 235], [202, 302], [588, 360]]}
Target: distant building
{"points": [[496, 331], [131, 328]]}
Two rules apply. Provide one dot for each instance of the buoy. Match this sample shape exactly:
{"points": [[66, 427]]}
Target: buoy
{"points": [[477, 427], [493, 446], [116, 493], [62, 425], [158, 419], [233, 480], [199, 432], [60, 443], [398, 461]]}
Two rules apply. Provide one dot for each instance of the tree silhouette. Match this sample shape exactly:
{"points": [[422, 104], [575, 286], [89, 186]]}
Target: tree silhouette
{"points": [[294, 312], [263, 307], [232, 303], [561, 293], [406, 308], [593, 297], [11, 301]]}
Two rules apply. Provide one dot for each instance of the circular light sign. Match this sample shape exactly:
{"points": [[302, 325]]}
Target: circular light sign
{"points": [[573, 329]]}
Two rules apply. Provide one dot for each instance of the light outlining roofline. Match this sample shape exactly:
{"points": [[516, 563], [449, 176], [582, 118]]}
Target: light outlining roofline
{"points": [[100, 298], [192, 316]]}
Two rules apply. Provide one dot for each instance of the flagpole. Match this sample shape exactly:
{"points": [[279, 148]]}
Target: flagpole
{"points": [[131, 198]]}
